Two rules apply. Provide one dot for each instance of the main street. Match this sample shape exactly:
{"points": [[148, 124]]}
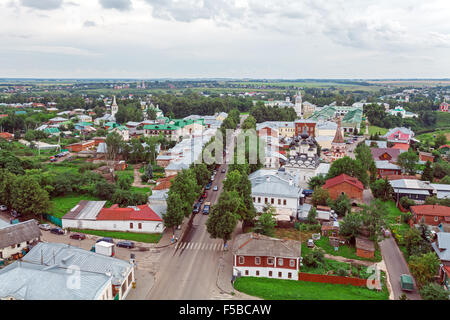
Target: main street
{"points": [[189, 269]]}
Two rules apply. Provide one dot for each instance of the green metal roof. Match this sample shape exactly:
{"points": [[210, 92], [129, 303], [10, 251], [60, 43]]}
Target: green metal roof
{"points": [[51, 130], [161, 127], [121, 128]]}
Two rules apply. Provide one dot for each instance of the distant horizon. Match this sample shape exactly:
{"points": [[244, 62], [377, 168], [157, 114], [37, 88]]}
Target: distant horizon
{"points": [[222, 78]]}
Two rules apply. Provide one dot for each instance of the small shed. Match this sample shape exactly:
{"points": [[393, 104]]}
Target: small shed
{"points": [[365, 248]]}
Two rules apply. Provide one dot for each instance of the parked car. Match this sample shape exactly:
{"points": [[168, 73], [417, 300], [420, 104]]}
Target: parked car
{"points": [[106, 239], [215, 188], [205, 194], [3, 208], [206, 207], [78, 236], [224, 170], [126, 244], [208, 186], [196, 207], [310, 243], [45, 227], [200, 200], [57, 231], [406, 282], [213, 177]]}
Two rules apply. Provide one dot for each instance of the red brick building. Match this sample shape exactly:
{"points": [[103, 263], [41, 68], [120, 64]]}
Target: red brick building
{"points": [[256, 255], [305, 126], [81, 146], [365, 248], [344, 184], [426, 156], [432, 214], [443, 107]]}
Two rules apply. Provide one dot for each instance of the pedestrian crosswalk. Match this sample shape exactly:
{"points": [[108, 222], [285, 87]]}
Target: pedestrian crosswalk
{"points": [[203, 246]]}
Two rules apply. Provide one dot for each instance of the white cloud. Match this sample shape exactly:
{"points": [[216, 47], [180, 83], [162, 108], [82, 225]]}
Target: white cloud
{"points": [[228, 38]]}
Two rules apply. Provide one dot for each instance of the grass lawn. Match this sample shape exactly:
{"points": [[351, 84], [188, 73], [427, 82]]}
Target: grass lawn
{"points": [[141, 190], [346, 251], [139, 237], [331, 267], [127, 172], [430, 137], [375, 129], [62, 205], [274, 289]]}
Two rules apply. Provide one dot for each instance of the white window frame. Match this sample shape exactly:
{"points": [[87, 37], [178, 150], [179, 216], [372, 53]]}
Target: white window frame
{"points": [[257, 260], [268, 261], [241, 260], [280, 261], [292, 263]]}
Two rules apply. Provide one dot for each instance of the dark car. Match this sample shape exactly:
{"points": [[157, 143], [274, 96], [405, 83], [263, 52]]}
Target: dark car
{"points": [[200, 200], [308, 193], [78, 236], [126, 244], [206, 207], [106, 239], [196, 208], [208, 186], [57, 231]]}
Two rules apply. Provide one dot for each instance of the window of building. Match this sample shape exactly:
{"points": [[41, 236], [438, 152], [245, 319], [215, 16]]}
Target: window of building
{"points": [[436, 218], [266, 200], [254, 199], [259, 200], [284, 202], [139, 225], [289, 275], [280, 274], [270, 273], [269, 260], [257, 260], [292, 263], [280, 261], [246, 272], [272, 201], [257, 272], [279, 202], [241, 260], [131, 225]]}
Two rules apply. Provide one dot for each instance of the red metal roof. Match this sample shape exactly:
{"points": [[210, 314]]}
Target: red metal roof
{"points": [[144, 212], [341, 179], [6, 135], [401, 146], [431, 210]]}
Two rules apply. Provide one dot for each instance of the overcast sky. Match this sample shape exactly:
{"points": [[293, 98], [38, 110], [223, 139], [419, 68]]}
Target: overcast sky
{"points": [[225, 38]]}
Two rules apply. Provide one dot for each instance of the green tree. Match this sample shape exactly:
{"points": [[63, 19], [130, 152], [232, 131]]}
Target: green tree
{"points": [[374, 218], [7, 181], [124, 182], [224, 216], [320, 197], [174, 215], [407, 161], [316, 181], [440, 140], [312, 215], [353, 168], [351, 225], [427, 174], [382, 189], [266, 222], [185, 185], [202, 174], [114, 142], [342, 205], [424, 267], [433, 291], [28, 198]]}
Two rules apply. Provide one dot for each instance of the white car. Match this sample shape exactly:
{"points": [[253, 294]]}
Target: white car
{"points": [[3, 208], [215, 188], [45, 227]]}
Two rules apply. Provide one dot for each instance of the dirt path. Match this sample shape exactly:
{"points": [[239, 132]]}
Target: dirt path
{"points": [[137, 180]]}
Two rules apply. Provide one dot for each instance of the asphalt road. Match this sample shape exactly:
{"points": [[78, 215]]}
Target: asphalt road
{"points": [[189, 269], [396, 266]]}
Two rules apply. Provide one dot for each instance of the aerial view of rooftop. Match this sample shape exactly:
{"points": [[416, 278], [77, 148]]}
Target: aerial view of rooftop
{"points": [[214, 158]]}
